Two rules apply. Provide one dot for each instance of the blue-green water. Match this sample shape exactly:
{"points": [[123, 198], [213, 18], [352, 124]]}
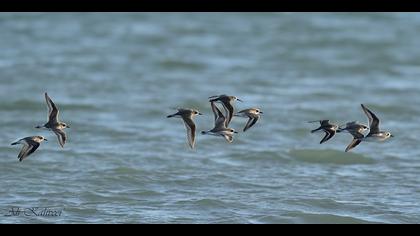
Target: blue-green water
{"points": [[115, 77]]}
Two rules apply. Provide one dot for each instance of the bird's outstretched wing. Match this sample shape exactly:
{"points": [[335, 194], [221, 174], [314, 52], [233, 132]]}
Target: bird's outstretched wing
{"points": [[52, 110]]}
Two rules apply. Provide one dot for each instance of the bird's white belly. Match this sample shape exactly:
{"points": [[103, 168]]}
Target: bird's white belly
{"points": [[374, 139]]}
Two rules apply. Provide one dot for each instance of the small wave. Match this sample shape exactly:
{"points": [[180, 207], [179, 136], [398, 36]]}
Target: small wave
{"points": [[176, 64], [270, 219], [27, 105], [83, 107], [261, 156], [323, 218], [329, 156], [205, 202], [124, 171]]}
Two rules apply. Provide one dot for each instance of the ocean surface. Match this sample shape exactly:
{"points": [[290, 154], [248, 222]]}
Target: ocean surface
{"points": [[116, 76]]}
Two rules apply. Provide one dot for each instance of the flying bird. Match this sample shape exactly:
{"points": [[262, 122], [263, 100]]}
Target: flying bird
{"points": [[30, 145], [53, 123], [227, 102], [187, 116], [220, 128], [375, 134], [253, 115], [329, 129]]}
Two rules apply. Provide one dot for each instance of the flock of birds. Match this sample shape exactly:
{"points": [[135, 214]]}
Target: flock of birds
{"points": [[31, 144], [221, 121], [355, 129], [221, 125]]}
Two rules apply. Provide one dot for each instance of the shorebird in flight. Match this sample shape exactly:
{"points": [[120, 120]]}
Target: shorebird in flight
{"points": [[253, 115], [53, 123], [220, 128], [30, 144], [187, 116]]}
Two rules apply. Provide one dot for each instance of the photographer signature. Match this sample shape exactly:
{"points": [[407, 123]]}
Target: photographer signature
{"points": [[34, 211]]}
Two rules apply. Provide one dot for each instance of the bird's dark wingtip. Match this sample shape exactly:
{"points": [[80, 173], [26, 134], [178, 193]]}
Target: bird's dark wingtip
{"points": [[314, 130]]}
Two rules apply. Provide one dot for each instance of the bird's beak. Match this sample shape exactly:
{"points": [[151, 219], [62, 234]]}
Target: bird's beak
{"points": [[392, 136], [45, 139], [239, 100], [261, 112], [200, 113], [68, 126], [235, 132]]}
